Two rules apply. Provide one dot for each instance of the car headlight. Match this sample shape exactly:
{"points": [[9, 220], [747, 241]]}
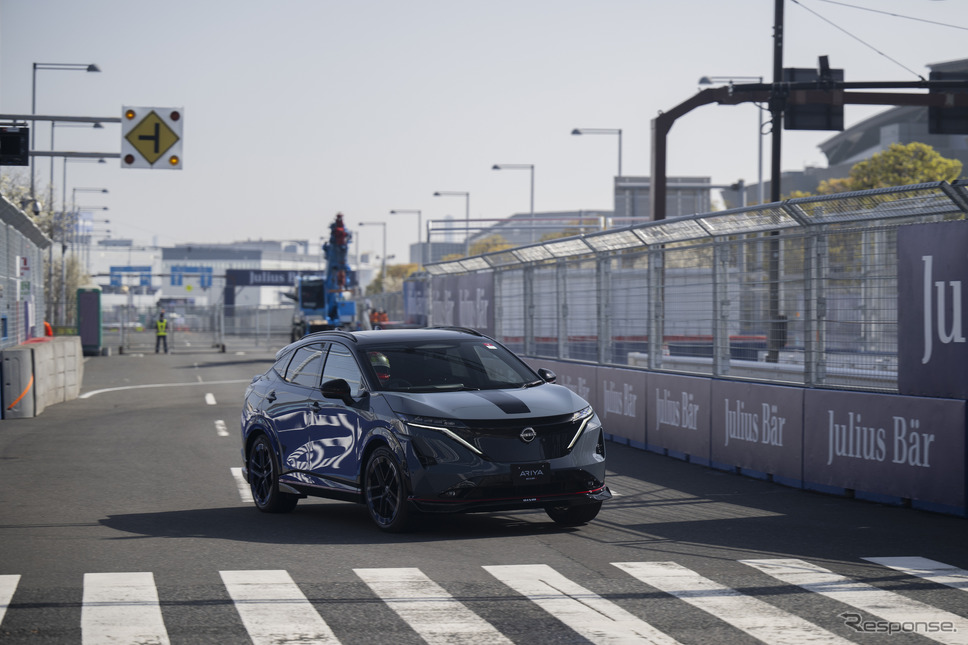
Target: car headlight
{"points": [[444, 426], [582, 417]]}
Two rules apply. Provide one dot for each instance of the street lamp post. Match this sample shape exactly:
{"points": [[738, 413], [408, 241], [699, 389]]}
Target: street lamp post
{"points": [[78, 67], [521, 166], [73, 221], [420, 246], [467, 215], [618, 131], [709, 80], [53, 125], [383, 284]]}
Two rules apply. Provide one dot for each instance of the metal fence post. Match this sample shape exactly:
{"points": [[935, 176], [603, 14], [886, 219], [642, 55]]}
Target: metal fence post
{"points": [[657, 302], [720, 308], [528, 294], [603, 300], [561, 286]]}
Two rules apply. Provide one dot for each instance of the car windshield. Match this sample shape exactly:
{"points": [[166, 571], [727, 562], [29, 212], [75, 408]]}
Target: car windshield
{"points": [[432, 366]]}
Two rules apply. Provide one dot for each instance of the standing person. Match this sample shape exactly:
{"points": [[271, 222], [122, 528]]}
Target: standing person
{"points": [[161, 332]]}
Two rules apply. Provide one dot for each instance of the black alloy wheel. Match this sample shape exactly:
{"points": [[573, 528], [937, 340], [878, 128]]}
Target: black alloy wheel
{"points": [[264, 480], [573, 515], [386, 495]]}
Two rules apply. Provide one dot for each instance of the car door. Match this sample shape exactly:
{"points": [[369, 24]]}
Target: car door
{"points": [[337, 425], [290, 407]]}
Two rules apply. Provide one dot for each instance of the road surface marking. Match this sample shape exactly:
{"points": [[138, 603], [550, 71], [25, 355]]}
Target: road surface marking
{"points": [[210, 398], [220, 428], [759, 619], [88, 395], [121, 608], [938, 572], [593, 617], [437, 616], [894, 608], [274, 610], [8, 584], [244, 492]]}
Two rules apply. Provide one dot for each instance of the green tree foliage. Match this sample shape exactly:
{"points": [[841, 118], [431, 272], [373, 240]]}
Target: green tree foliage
{"points": [[567, 232], [899, 165], [396, 274], [489, 244]]}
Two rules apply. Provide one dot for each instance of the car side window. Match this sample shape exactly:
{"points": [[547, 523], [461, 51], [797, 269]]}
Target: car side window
{"points": [[305, 365], [341, 364], [282, 363]]}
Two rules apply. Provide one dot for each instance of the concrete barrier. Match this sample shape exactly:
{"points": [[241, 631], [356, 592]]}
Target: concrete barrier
{"points": [[891, 448], [39, 373]]}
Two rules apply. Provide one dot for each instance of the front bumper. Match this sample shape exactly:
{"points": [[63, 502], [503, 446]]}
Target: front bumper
{"points": [[446, 477]]}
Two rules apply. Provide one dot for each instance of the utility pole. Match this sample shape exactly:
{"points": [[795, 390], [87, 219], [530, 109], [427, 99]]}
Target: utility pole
{"points": [[776, 338]]}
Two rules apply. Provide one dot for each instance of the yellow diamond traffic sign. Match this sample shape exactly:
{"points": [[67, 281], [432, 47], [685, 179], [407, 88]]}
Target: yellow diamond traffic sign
{"points": [[151, 136]]}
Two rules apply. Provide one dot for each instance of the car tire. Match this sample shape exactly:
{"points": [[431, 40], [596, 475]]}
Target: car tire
{"points": [[385, 492], [573, 515], [264, 480]]}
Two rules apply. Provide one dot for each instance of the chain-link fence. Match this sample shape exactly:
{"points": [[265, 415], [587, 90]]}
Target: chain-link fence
{"points": [[196, 328], [802, 291], [23, 248]]}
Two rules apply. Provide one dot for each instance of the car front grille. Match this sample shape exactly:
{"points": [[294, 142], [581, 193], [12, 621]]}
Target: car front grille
{"points": [[502, 440]]}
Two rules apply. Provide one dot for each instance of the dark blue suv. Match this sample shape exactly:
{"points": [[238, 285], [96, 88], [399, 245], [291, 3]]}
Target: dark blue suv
{"points": [[438, 420]]}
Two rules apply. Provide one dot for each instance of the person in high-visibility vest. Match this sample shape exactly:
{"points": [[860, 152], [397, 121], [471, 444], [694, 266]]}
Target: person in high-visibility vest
{"points": [[161, 332]]}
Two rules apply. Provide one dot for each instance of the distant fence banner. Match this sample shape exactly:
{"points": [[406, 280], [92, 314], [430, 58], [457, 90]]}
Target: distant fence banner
{"points": [[758, 427], [464, 301], [908, 447], [678, 417], [933, 309], [262, 277]]}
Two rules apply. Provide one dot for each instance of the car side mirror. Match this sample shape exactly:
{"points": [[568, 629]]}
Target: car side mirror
{"points": [[337, 389], [547, 375]]}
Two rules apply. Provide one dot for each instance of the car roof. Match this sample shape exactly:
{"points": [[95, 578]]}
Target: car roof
{"points": [[382, 336]]}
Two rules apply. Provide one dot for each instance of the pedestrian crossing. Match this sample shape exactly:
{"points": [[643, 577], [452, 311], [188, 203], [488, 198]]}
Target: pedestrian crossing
{"points": [[124, 607]]}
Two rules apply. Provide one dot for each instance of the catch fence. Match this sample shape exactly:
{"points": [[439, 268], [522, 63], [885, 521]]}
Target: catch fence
{"points": [[196, 328], [801, 292]]}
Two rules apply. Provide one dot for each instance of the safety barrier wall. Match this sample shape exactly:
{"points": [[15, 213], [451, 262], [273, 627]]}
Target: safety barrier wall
{"points": [[880, 447], [40, 373], [818, 342]]}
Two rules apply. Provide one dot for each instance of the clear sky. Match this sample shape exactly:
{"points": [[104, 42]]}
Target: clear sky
{"points": [[298, 109]]}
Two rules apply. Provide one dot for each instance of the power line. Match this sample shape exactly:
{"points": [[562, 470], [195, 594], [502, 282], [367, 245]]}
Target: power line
{"points": [[894, 15], [858, 39]]}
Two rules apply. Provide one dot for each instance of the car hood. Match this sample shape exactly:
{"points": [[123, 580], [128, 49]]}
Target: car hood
{"points": [[540, 401]]}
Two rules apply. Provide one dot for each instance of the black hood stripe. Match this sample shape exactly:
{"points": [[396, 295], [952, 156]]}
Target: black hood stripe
{"points": [[508, 404]]}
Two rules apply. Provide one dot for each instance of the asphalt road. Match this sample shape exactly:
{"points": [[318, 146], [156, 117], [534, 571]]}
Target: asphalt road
{"points": [[121, 521]]}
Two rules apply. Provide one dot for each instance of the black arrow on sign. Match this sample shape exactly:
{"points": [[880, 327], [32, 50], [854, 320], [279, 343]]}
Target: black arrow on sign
{"points": [[156, 137]]}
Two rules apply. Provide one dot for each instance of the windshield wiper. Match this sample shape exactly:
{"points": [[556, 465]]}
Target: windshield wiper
{"points": [[533, 383]]}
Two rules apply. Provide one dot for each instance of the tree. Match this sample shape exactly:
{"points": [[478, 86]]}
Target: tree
{"points": [[489, 244], [899, 165], [396, 274]]}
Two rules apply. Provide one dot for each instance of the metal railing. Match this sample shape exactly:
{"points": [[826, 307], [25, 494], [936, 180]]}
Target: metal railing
{"points": [[802, 291]]}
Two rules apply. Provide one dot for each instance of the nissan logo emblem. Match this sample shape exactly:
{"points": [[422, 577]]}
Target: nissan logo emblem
{"points": [[528, 434]]}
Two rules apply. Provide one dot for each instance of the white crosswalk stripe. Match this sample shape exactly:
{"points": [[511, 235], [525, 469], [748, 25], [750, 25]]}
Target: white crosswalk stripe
{"points": [[893, 608], [932, 570], [759, 619], [8, 585], [427, 607], [121, 608], [597, 619], [274, 610]]}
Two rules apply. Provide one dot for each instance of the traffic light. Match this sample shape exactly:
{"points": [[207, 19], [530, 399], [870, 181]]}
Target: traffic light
{"points": [[947, 120], [14, 146], [813, 116]]}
